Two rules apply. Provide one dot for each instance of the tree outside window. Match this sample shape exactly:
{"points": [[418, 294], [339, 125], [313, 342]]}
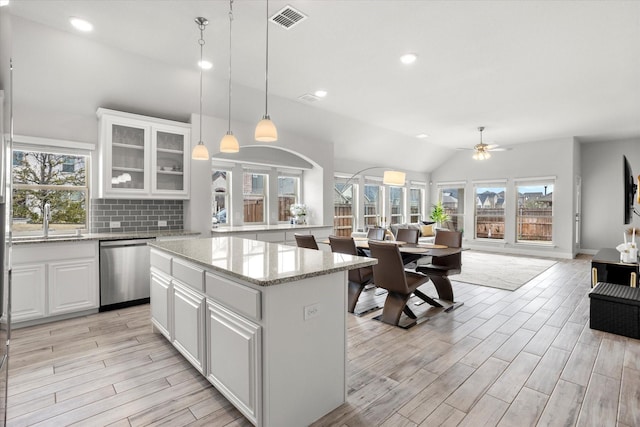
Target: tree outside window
{"points": [[42, 177]]}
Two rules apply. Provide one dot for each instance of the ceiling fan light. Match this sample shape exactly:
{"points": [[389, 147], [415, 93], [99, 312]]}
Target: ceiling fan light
{"points": [[200, 152], [229, 143], [266, 130], [396, 178]]}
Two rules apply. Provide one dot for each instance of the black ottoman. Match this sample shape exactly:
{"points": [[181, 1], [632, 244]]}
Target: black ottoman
{"points": [[615, 308]]}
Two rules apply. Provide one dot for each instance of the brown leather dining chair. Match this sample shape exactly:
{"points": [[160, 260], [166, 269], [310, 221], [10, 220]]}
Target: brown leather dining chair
{"points": [[441, 267], [358, 277], [375, 233], [390, 274], [408, 235], [306, 241]]}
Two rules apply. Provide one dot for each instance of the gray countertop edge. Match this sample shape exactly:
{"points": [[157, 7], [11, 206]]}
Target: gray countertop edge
{"points": [[263, 227], [362, 262], [105, 236]]}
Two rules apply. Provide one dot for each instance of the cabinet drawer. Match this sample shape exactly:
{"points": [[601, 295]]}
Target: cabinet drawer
{"points": [[189, 274], [237, 297], [161, 261]]}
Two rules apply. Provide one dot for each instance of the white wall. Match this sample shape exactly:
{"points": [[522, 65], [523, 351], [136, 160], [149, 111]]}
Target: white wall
{"points": [[602, 189], [537, 159]]}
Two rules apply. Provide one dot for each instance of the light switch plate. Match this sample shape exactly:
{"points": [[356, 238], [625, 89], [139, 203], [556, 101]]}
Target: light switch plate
{"points": [[114, 224], [162, 223]]}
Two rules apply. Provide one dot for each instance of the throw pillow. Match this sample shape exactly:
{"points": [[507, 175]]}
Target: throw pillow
{"points": [[427, 230]]}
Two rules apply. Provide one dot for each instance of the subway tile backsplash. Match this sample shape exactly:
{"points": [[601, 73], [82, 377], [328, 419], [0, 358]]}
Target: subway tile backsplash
{"points": [[135, 215]]}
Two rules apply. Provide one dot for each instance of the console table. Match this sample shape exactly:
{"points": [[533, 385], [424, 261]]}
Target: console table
{"points": [[606, 267]]}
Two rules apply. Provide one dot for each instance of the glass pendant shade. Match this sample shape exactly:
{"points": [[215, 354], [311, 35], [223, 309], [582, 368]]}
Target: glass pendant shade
{"points": [[200, 152], [266, 131], [229, 143], [393, 178]]}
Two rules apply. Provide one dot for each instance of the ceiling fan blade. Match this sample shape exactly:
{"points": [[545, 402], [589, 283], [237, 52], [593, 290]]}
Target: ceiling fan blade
{"points": [[492, 146], [500, 149], [465, 149]]}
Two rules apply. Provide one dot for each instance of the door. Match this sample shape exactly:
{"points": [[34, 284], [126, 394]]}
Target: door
{"points": [[73, 286], [27, 292], [188, 324]]}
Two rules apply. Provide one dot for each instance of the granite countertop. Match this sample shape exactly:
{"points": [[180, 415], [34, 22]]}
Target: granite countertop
{"points": [[263, 227], [260, 263], [102, 236]]}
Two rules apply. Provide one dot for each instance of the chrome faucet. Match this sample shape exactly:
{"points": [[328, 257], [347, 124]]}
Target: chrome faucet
{"points": [[46, 219]]}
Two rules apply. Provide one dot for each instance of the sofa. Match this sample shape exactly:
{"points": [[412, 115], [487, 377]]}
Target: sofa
{"points": [[427, 231]]}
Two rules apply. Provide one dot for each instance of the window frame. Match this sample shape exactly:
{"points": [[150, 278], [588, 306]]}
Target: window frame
{"points": [[24, 144], [297, 193], [264, 195], [403, 197], [354, 204], [459, 217], [533, 182], [487, 185], [226, 194], [422, 189], [379, 217]]}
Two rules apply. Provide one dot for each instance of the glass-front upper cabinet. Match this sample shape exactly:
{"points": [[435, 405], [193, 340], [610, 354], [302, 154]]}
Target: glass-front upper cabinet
{"points": [[142, 157]]}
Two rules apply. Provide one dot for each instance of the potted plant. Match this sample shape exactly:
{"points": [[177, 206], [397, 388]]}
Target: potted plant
{"points": [[438, 214]]}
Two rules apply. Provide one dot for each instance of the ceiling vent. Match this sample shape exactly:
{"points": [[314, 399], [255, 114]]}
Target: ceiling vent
{"points": [[288, 17], [308, 97]]}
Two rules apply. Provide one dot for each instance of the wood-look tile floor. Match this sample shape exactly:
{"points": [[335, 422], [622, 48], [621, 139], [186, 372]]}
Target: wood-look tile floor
{"points": [[519, 358]]}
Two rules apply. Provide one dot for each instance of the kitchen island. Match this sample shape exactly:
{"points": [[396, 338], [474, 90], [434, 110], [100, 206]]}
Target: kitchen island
{"points": [[265, 323]]}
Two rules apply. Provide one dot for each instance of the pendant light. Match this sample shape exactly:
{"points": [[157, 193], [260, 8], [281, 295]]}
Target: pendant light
{"points": [[200, 151], [265, 130], [229, 143]]}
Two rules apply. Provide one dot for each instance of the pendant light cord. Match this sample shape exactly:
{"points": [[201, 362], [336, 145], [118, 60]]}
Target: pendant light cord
{"points": [[266, 71], [230, 25], [201, 43]]}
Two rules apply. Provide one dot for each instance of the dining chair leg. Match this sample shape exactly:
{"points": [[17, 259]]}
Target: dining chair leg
{"points": [[394, 305], [355, 289], [443, 286]]}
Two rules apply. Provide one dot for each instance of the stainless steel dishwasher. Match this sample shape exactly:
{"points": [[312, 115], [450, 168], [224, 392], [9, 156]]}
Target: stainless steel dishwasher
{"points": [[124, 273]]}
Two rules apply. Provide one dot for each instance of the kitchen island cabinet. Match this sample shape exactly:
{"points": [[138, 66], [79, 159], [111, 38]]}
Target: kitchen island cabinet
{"points": [[274, 335]]}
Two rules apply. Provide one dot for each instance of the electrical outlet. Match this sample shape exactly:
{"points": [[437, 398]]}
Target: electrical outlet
{"points": [[114, 224], [311, 311], [162, 223]]}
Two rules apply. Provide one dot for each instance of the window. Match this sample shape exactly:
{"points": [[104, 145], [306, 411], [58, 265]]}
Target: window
{"points": [[534, 215], [416, 203], [288, 194], [452, 198], [41, 178], [373, 196], [343, 206], [489, 211], [220, 184], [396, 202], [254, 190]]}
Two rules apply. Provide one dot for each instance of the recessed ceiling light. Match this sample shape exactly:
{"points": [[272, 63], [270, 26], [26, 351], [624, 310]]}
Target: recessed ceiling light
{"points": [[321, 93], [81, 24], [4, 3], [408, 58], [205, 65], [422, 136]]}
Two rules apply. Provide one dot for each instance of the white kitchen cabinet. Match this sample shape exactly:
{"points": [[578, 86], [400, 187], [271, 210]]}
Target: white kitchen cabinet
{"points": [[28, 292], [67, 285], [160, 307], [188, 324], [54, 279], [143, 157], [234, 362]]}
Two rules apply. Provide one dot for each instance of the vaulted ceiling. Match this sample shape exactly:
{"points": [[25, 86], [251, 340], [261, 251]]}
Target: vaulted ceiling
{"points": [[526, 70]]}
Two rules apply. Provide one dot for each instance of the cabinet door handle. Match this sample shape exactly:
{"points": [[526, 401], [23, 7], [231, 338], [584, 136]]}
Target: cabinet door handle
{"points": [[594, 276], [633, 279]]}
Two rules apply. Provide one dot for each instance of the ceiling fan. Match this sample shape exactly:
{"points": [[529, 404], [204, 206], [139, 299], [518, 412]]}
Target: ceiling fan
{"points": [[483, 151]]}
